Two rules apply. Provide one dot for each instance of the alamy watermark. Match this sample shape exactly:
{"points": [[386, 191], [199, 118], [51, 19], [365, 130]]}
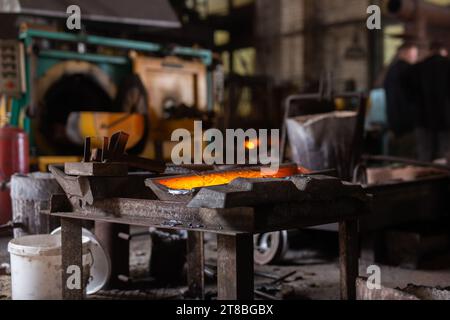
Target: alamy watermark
{"points": [[374, 279], [374, 19], [73, 281], [73, 21], [236, 147]]}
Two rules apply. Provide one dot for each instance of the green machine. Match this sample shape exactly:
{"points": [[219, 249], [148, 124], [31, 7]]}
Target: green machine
{"points": [[52, 56]]}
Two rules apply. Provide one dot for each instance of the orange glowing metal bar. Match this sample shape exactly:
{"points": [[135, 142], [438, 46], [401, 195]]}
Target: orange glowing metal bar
{"points": [[219, 178]]}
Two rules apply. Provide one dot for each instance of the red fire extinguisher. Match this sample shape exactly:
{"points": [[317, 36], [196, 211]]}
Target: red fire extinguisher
{"points": [[14, 158]]}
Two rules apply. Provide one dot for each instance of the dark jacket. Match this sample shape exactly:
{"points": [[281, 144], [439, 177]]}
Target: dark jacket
{"points": [[399, 101], [432, 91]]}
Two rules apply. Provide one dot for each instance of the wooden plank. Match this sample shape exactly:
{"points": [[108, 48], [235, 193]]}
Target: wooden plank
{"points": [[196, 265], [72, 253], [348, 258], [235, 267], [96, 169]]}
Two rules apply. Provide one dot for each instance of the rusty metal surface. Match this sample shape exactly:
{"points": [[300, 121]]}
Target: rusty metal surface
{"points": [[173, 215], [258, 192], [97, 169], [348, 258], [72, 252], [196, 265], [322, 141], [117, 145], [185, 186], [327, 94], [116, 153], [87, 149], [246, 192], [111, 159], [235, 267], [242, 192], [143, 163], [117, 249], [81, 190], [105, 151], [398, 202], [236, 211], [321, 187]]}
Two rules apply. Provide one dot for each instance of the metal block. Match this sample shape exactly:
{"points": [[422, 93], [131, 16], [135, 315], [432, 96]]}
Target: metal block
{"points": [[117, 145], [235, 267], [85, 189], [96, 169], [71, 252], [247, 192], [196, 265], [323, 187], [348, 258]]}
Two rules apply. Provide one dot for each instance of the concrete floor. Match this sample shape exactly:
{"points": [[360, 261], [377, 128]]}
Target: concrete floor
{"points": [[315, 278]]}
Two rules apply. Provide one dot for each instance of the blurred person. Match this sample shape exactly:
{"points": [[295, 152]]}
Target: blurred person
{"points": [[432, 92], [400, 105]]}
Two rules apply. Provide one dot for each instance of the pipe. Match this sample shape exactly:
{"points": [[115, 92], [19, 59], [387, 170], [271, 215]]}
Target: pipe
{"points": [[410, 10]]}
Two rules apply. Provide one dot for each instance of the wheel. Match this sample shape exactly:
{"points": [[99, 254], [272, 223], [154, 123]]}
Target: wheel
{"points": [[270, 247]]}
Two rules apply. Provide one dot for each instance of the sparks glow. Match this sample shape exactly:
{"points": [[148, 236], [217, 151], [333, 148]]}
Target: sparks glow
{"points": [[251, 144]]}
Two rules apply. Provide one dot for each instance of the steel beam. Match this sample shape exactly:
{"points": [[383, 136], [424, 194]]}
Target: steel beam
{"points": [[72, 253], [348, 256], [235, 267], [196, 265]]}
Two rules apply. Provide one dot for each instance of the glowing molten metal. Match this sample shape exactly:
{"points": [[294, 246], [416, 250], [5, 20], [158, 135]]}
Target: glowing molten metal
{"points": [[190, 182]]}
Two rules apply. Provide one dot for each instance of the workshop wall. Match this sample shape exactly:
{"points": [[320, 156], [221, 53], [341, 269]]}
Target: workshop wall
{"points": [[305, 37]]}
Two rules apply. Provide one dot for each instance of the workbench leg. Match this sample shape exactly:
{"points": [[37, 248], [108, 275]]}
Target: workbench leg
{"points": [[195, 265], [117, 248], [72, 264], [349, 258], [235, 267]]}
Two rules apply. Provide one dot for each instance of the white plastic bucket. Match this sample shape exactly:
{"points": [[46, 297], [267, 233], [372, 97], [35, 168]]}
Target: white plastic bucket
{"points": [[36, 266], [100, 271]]}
